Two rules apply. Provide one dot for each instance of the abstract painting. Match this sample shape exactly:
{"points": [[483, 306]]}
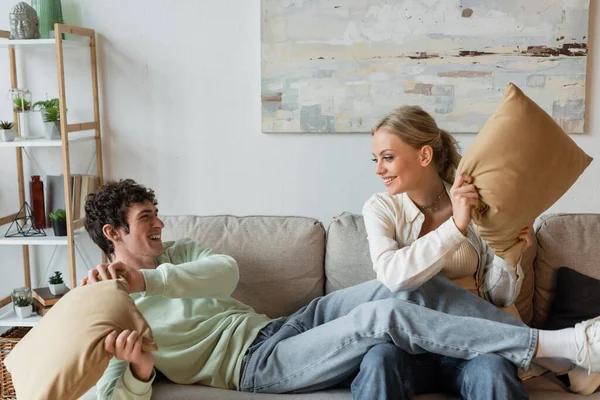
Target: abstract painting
{"points": [[339, 66]]}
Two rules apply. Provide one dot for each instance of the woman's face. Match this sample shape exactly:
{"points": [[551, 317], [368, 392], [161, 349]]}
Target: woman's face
{"points": [[398, 164]]}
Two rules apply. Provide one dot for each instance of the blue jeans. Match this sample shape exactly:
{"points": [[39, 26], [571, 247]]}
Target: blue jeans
{"points": [[323, 344]]}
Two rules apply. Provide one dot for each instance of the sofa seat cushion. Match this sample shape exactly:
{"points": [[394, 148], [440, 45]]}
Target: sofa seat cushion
{"points": [[280, 258]]}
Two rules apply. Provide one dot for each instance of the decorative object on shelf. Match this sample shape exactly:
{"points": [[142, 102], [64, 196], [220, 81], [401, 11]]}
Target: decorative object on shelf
{"points": [[21, 103], [7, 133], [22, 301], [24, 224], [8, 340], [37, 202], [24, 22], [49, 13], [56, 284], [50, 116], [59, 222]]}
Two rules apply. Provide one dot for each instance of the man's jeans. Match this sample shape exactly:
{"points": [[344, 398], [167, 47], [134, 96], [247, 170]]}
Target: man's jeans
{"points": [[323, 344]]}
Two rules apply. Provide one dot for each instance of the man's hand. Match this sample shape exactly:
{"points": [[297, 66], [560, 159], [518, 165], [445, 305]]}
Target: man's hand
{"points": [[127, 346], [104, 272], [526, 235]]}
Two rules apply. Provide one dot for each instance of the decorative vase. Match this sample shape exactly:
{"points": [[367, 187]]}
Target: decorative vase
{"points": [[58, 288], [59, 227], [49, 13], [37, 202], [52, 129], [23, 312]]}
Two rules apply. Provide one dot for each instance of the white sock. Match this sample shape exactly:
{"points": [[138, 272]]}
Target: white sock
{"points": [[557, 344]]}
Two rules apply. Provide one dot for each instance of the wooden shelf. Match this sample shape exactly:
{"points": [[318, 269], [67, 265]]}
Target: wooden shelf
{"points": [[41, 142], [9, 318]]}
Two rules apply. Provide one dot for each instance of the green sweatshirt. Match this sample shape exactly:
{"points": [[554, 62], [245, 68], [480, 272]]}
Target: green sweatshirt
{"points": [[201, 332]]}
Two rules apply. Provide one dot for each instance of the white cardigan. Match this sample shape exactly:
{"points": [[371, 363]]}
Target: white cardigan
{"points": [[403, 261]]}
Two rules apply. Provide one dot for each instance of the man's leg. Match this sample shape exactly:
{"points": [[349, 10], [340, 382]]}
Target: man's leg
{"points": [[385, 373], [305, 357], [485, 377]]}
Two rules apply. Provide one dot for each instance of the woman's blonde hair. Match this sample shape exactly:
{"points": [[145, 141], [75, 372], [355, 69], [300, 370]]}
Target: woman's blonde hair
{"points": [[417, 128]]}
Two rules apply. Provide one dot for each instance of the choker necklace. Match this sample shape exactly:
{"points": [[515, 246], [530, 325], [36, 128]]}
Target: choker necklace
{"points": [[433, 206]]}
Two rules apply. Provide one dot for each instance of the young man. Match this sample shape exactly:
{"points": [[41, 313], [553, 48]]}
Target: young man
{"points": [[204, 336]]}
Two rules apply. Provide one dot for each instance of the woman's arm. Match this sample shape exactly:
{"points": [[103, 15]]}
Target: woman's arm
{"points": [[408, 267]]}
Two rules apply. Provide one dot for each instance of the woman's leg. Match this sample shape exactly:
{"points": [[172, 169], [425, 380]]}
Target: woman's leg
{"points": [[385, 372], [485, 377]]}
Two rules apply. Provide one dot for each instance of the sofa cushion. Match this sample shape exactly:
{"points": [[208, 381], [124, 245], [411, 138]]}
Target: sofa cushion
{"points": [[516, 181], [280, 258], [63, 356], [348, 263], [563, 240], [576, 299], [347, 259]]}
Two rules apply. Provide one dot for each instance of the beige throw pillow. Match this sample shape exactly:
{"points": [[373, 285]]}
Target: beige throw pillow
{"points": [[63, 356], [522, 162]]}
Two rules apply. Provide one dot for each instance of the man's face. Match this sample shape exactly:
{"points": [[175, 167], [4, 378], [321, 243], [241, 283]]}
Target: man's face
{"points": [[145, 229]]}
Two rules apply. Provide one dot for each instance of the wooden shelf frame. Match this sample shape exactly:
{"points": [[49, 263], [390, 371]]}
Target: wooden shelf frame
{"points": [[69, 133]]}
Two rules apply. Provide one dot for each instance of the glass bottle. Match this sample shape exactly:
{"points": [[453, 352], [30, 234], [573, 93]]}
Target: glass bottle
{"points": [[37, 202]]}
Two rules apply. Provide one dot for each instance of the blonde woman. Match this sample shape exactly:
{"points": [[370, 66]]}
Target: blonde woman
{"points": [[422, 228]]}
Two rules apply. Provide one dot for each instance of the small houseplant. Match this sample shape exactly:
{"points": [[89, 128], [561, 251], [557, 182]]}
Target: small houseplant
{"points": [[20, 105], [7, 133], [22, 302], [56, 284], [23, 307], [59, 222], [51, 117]]}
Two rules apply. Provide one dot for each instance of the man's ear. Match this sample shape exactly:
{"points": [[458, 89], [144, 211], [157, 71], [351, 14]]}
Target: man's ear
{"points": [[426, 155], [110, 233]]}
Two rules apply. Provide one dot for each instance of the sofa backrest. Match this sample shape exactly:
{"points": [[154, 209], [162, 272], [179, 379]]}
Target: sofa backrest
{"points": [[280, 258], [564, 240], [347, 261]]}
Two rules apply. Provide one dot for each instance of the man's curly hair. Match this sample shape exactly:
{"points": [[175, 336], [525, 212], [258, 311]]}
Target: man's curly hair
{"points": [[109, 206]]}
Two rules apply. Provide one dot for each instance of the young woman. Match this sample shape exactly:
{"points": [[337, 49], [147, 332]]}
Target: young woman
{"points": [[421, 228]]}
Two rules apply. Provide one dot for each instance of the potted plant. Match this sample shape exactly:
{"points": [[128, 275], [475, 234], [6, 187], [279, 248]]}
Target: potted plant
{"points": [[7, 133], [20, 105], [59, 222], [56, 284], [23, 307], [51, 117]]}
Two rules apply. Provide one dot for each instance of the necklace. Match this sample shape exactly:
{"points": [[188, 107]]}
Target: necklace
{"points": [[433, 206]]}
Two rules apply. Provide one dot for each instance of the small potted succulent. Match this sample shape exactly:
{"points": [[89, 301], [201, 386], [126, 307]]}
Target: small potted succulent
{"points": [[7, 133], [20, 105], [22, 302], [59, 222], [23, 307], [51, 117], [56, 284]]}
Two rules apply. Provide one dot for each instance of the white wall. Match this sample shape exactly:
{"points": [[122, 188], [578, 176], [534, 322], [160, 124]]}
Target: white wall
{"points": [[180, 100]]}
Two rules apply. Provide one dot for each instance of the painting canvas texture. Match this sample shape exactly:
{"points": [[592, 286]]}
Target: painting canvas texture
{"points": [[339, 66]]}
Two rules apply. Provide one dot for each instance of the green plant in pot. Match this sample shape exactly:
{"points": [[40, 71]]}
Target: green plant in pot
{"points": [[59, 222], [51, 117], [22, 302], [56, 284], [7, 133], [20, 105]]}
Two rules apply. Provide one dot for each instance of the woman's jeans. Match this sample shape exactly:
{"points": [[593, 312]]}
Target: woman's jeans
{"points": [[324, 343]]}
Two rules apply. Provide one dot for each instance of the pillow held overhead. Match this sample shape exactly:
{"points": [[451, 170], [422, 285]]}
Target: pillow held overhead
{"points": [[63, 356], [522, 162]]}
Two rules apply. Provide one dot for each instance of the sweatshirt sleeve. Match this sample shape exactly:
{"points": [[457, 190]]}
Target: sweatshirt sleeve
{"points": [[408, 267], [118, 383], [193, 272]]}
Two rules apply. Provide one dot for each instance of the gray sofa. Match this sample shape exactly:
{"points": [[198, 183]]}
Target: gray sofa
{"points": [[287, 261]]}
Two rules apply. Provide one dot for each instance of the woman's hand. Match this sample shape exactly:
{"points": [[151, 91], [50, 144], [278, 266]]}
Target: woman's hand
{"points": [[526, 235], [463, 197]]}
